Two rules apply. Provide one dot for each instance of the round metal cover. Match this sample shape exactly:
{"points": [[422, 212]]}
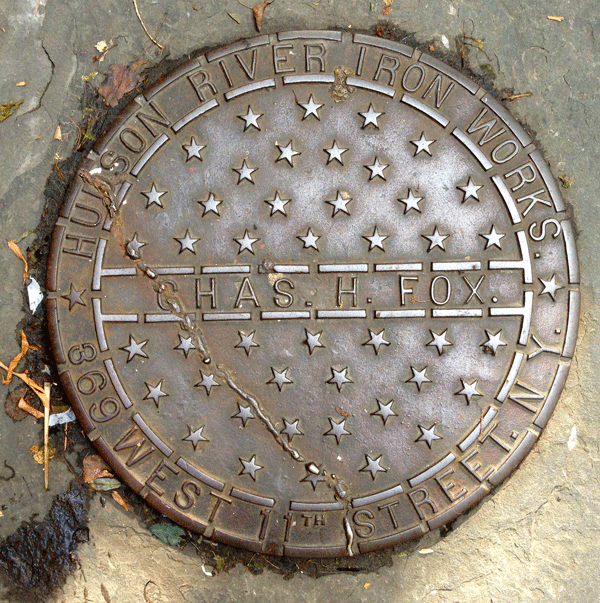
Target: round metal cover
{"points": [[314, 294]]}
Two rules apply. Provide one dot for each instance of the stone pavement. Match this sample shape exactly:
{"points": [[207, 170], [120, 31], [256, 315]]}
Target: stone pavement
{"points": [[535, 538]]}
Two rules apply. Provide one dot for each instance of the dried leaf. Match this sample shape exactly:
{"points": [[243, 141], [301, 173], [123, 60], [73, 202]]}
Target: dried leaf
{"points": [[169, 533], [25, 347], [102, 46], [38, 453], [15, 249], [234, 17], [104, 484], [38, 389], [119, 82], [387, 6], [7, 109], [95, 467], [119, 499], [138, 64], [21, 84], [89, 76], [259, 12], [342, 412], [34, 412], [104, 592], [58, 133]]}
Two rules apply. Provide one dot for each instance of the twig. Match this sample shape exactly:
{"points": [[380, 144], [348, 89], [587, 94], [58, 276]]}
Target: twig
{"points": [[46, 433], [137, 12], [516, 96]]}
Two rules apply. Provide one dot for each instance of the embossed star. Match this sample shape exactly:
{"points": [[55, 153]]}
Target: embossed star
{"points": [[187, 242], [195, 436], [134, 246], [422, 144], [311, 108], [310, 240], [210, 205], [291, 429], [377, 340], [247, 342], [550, 287], [280, 378], [185, 345], [493, 343], [370, 117], [470, 190], [428, 435], [193, 149], [246, 243], [439, 341], [340, 203], [375, 240], [411, 202], [419, 377], [154, 196], [250, 467], [377, 169], [250, 119], [74, 297], [155, 392], [385, 411], [287, 153], [277, 204], [436, 239], [335, 152], [313, 478], [208, 382], [135, 349], [373, 466], [337, 429], [340, 378], [313, 340], [245, 172], [468, 391], [244, 413], [493, 238]]}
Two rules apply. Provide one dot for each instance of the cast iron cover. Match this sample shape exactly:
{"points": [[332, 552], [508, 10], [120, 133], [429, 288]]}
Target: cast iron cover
{"points": [[314, 294]]}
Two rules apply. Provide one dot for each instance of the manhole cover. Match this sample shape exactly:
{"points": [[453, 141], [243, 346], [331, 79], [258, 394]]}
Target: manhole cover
{"points": [[314, 294]]}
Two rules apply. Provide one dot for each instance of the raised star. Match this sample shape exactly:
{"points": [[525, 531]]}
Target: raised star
{"points": [[377, 169], [373, 466], [155, 392], [280, 378], [210, 204], [247, 342], [134, 246], [187, 242], [250, 467], [335, 152], [428, 435], [310, 240], [185, 345], [311, 108], [470, 190], [370, 117], [337, 429], [244, 413], [376, 340], [154, 196], [135, 349], [193, 149], [419, 377], [313, 340], [493, 238], [207, 383], [313, 478], [411, 202], [245, 172], [246, 243], [550, 287], [277, 204], [493, 342], [436, 239], [340, 203], [291, 429], [339, 377], [376, 239], [422, 144], [250, 119], [468, 391], [439, 341], [385, 411], [287, 153], [196, 436], [74, 297]]}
